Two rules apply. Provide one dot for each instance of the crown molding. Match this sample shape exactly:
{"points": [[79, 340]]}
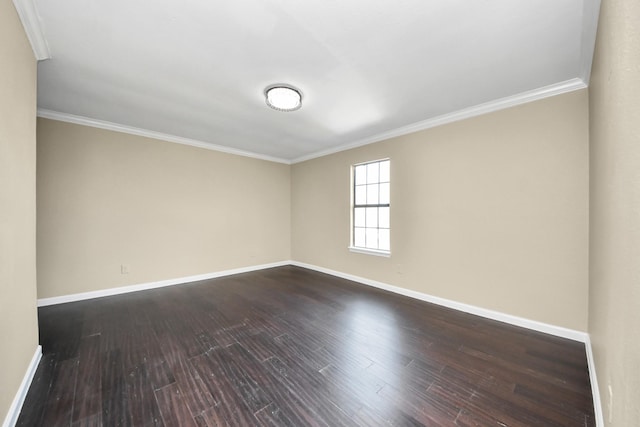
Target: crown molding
{"points": [[590, 15], [28, 14], [101, 124], [489, 107]]}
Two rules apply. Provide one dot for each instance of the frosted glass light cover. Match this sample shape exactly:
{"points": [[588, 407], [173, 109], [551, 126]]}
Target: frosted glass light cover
{"points": [[283, 98]]}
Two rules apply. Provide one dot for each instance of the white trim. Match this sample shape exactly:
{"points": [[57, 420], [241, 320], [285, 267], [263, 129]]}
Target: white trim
{"points": [[16, 406], [590, 15], [28, 14], [43, 302], [369, 251], [546, 328], [101, 124], [595, 391], [488, 107], [467, 308], [559, 331]]}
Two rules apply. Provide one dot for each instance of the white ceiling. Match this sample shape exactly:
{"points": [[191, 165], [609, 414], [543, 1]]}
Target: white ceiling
{"points": [[194, 71]]}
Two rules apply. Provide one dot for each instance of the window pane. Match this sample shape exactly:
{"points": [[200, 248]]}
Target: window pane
{"points": [[383, 217], [385, 175], [361, 174], [383, 240], [361, 195], [359, 237], [372, 173], [371, 221], [372, 217], [372, 238], [372, 194], [384, 194], [358, 217]]}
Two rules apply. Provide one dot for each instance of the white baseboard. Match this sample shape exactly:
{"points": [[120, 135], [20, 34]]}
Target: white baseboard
{"points": [[42, 302], [467, 308], [16, 406], [595, 391], [490, 314], [479, 311]]}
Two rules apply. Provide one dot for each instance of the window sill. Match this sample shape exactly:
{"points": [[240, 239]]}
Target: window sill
{"points": [[365, 251]]}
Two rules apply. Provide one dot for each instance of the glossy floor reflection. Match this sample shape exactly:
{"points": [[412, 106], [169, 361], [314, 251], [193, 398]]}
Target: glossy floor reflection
{"points": [[293, 347]]}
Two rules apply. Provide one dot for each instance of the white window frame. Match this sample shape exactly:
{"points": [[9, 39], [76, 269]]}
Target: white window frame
{"points": [[354, 205]]}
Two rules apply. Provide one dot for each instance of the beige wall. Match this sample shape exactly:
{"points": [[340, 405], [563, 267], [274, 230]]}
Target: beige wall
{"points": [[491, 211], [614, 310], [18, 316], [165, 210]]}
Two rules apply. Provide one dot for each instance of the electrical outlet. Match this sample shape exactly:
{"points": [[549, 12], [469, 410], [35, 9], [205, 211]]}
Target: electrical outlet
{"points": [[610, 404], [124, 269]]}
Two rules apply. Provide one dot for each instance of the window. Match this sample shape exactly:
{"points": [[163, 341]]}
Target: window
{"points": [[371, 201]]}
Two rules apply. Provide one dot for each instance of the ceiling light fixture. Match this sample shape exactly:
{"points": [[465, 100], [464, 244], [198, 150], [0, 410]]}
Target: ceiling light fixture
{"points": [[283, 97]]}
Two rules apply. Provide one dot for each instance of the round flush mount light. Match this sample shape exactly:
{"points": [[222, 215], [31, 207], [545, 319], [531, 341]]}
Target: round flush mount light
{"points": [[283, 97]]}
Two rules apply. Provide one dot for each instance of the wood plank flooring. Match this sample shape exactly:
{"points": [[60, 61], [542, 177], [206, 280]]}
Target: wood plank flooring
{"points": [[293, 347]]}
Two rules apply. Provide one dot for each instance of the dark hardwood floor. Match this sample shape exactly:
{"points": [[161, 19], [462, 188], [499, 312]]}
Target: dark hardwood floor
{"points": [[293, 347]]}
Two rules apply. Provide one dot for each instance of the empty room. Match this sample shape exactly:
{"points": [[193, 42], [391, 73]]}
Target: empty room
{"points": [[305, 213]]}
